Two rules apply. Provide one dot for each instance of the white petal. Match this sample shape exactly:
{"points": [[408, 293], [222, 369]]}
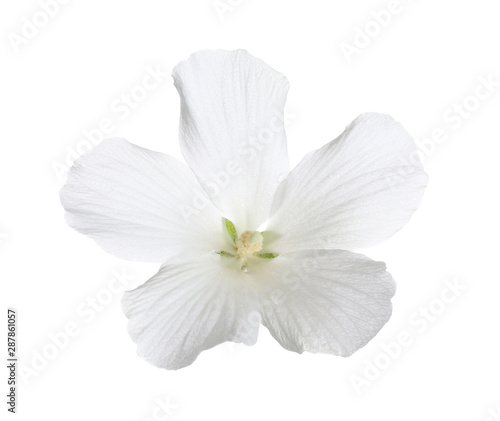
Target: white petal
{"points": [[139, 204], [330, 301], [232, 132], [189, 307], [354, 192]]}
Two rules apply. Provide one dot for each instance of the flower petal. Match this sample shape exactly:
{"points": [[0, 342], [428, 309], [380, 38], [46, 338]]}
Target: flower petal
{"points": [[354, 192], [232, 131], [330, 301], [189, 307], [139, 204]]}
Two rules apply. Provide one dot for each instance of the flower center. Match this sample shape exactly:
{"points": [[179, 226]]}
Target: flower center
{"points": [[245, 247], [250, 242]]}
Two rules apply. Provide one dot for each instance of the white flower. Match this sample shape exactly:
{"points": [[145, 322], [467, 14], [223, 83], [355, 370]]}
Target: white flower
{"points": [[239, 246]]}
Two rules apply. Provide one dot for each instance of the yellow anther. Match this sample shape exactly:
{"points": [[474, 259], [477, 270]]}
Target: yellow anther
{"points": [[250, 242]]}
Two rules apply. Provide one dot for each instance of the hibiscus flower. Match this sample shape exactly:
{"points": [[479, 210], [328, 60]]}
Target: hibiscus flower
{"points": [[241, 239]]}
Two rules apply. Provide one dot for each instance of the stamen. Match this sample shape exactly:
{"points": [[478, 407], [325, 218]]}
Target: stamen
{"points": [[250, 242]]}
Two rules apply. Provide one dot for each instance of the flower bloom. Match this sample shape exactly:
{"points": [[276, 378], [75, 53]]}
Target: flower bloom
{"points": [[243, 240]]}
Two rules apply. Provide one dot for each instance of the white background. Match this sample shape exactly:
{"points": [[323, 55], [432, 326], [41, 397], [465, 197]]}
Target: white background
{"points": [[64, 80]]}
